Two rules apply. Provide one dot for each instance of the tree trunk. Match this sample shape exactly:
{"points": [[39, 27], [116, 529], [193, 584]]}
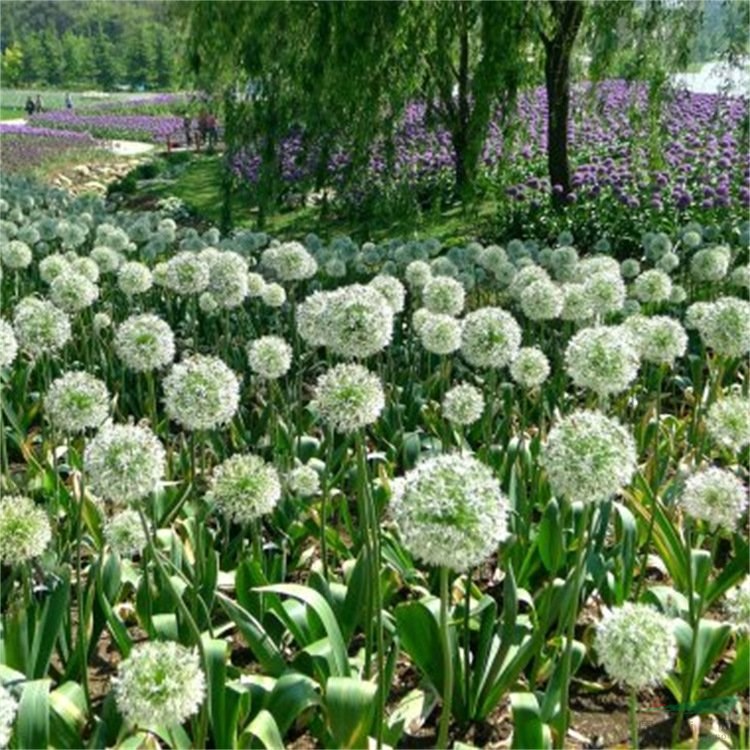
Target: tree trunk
{"points": [[464, 170]]}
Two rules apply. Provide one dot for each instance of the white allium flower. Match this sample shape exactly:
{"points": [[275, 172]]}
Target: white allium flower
{"points": [[85, 267], [349, 397], [450, 511], [304, 481], [588, 457], [492, 257], [187, 273], [463, 404], [15, 255], [207, 303], [526, 276], [653, 286], [106, 258], [336, 268], [660, 338], [692, 239], [227, 277], [737, 605], [144, 343], [594, 264], [542, 300], [417, 274], [245, 487], [290, 261], [668, 262], [255, 284], [73, 292], [25, 530], [124, 462], [577, 304], [392, 290], [606, 292], [76, 401], [309, 318], [124, 533], [52, 266], [716, 496], [418, 318], [40, 326], [726, 327], [728, 421], [740, 277], [530, 367], [604, 359], [8, 709], [269, 356], [160, 682], [8, 344], [442, 294], [711, 264], [159, 274], [636, 644], [102, 321], [440, 334], [490, 337], [134, 278], [273, 295], [201, 393], [678, 296], [696, 314]]}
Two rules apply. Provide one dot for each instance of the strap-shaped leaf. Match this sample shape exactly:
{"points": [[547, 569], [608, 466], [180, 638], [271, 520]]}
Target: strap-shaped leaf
{"points": [[350, 708], [528, 728], [32, 723]]}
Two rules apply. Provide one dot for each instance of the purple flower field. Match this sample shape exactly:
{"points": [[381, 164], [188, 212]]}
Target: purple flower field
{"points": [[26, 147]]}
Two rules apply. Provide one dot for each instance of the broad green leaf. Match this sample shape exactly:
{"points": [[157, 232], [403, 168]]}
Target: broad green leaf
{"points": [[292, 695], [222, 728], [68, 715], [48, 624], [350, 709], [418, 629], [529, 731], [32, 722], [262, 732]]}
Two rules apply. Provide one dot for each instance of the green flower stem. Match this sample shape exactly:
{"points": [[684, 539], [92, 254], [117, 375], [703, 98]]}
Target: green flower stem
{"points": [[324, 503], [467, 640], [632, 711], [82, 645], [445, 716]]}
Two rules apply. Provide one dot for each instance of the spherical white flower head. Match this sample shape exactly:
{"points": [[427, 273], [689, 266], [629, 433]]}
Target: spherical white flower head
{"points": [[526, 276], [72, 292], [492, 257], [711, 264], [450, 511], [310, 315], [716, 496], [255, 284], [737, 605], [227, 277], [159, 683], [740, 277], [290, 262], [653, 286], [668, 262], [273, 295], [102, 321], [201, 393], [442, 294], [8, 344], [270, 357], [606, 292], [207, 303], [8, 709], [124, 462], [144, 343], [588, 457], [392, 290], [40, 327], [542, 300], [530, 368], [85, 267], [636, 644], [15, 255], [592, 265], [725, 327], [24, 530], [244, 488], [728, 421], [659, 339], [490, 337], [440, 334], [134, 278], [52, 266], [124, 533], [418, 318], [678, 296], [417, 274], [603, 359], [106, 258], [187, 274], [577, 305], [696, 314], [304, 481], [463, 404], [76, 401], [349, 397], [692, 239]]}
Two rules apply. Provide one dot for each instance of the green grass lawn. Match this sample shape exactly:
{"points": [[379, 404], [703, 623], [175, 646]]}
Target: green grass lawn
{"points": [[11, 113]]}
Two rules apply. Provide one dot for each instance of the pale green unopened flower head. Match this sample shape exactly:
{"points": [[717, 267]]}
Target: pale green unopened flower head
{"points": [[145, 342], [728, 421], [442, 294], [711, 263], [716, 496], [25, 530], [8, 709], [653, 286], [201, 393], [440, 334], [659, 339], [40, 327], [159, 683], [134, 278], [588, 457], [725, 326], [349, 397], [187, 273], [124, 462], [15, 255], [76, 401], [304, 481], [124, 533], [392, 290], [490, 337], [463, 404], [289, 262], [542, 300], [630, 268], [273, 295], [450, 511], [530, 368], [245, 487], [8, 344], [270, 357], [737, 605], [418, 273], [637, 645]]}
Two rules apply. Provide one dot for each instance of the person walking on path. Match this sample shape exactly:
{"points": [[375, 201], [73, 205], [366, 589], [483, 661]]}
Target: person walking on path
{"points": [[29, 106]]}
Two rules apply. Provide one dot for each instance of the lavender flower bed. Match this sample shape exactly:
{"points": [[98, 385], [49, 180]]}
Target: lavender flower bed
{"points": [[25, 148]]}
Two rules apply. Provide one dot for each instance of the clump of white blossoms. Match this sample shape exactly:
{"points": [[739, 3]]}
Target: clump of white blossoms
{"points": [[392, 290], [725, 326], [577, 305], [490, 337], [273, 295], [187, 273], [124, 533], [463, 404], [542, 300], [201, 393], [15, 255], [8, 709], [530, 367], [716, 496], [159, 683], [289, 261], [40, 326], [106, 258], [605, 291], [659, 339], [134, 278], [303, 481], [269, 356], [8, 344], [603, 359], [711, 264], [25, 530], [636, 644], [450, 511], [76, 401], [52, 266], [728, 421], [102, 321], [588, 457], [740, 277], [653, 286], [255, 284], [524, 278], [737, 605], [417, 274], [73, 292], [124, 462], [309, 315], [245, 487], [227, 277], [349, 397], [440, 334], [442, 294], [144, 342], [696, 314], [85, 267], [418, 318], [207, 303]]}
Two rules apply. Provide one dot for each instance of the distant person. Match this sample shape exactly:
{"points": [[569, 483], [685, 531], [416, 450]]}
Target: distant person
{"points": [[68, 102], [212, 130], [203, 125], [29, 106], [38, 104], [187, 123]]}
